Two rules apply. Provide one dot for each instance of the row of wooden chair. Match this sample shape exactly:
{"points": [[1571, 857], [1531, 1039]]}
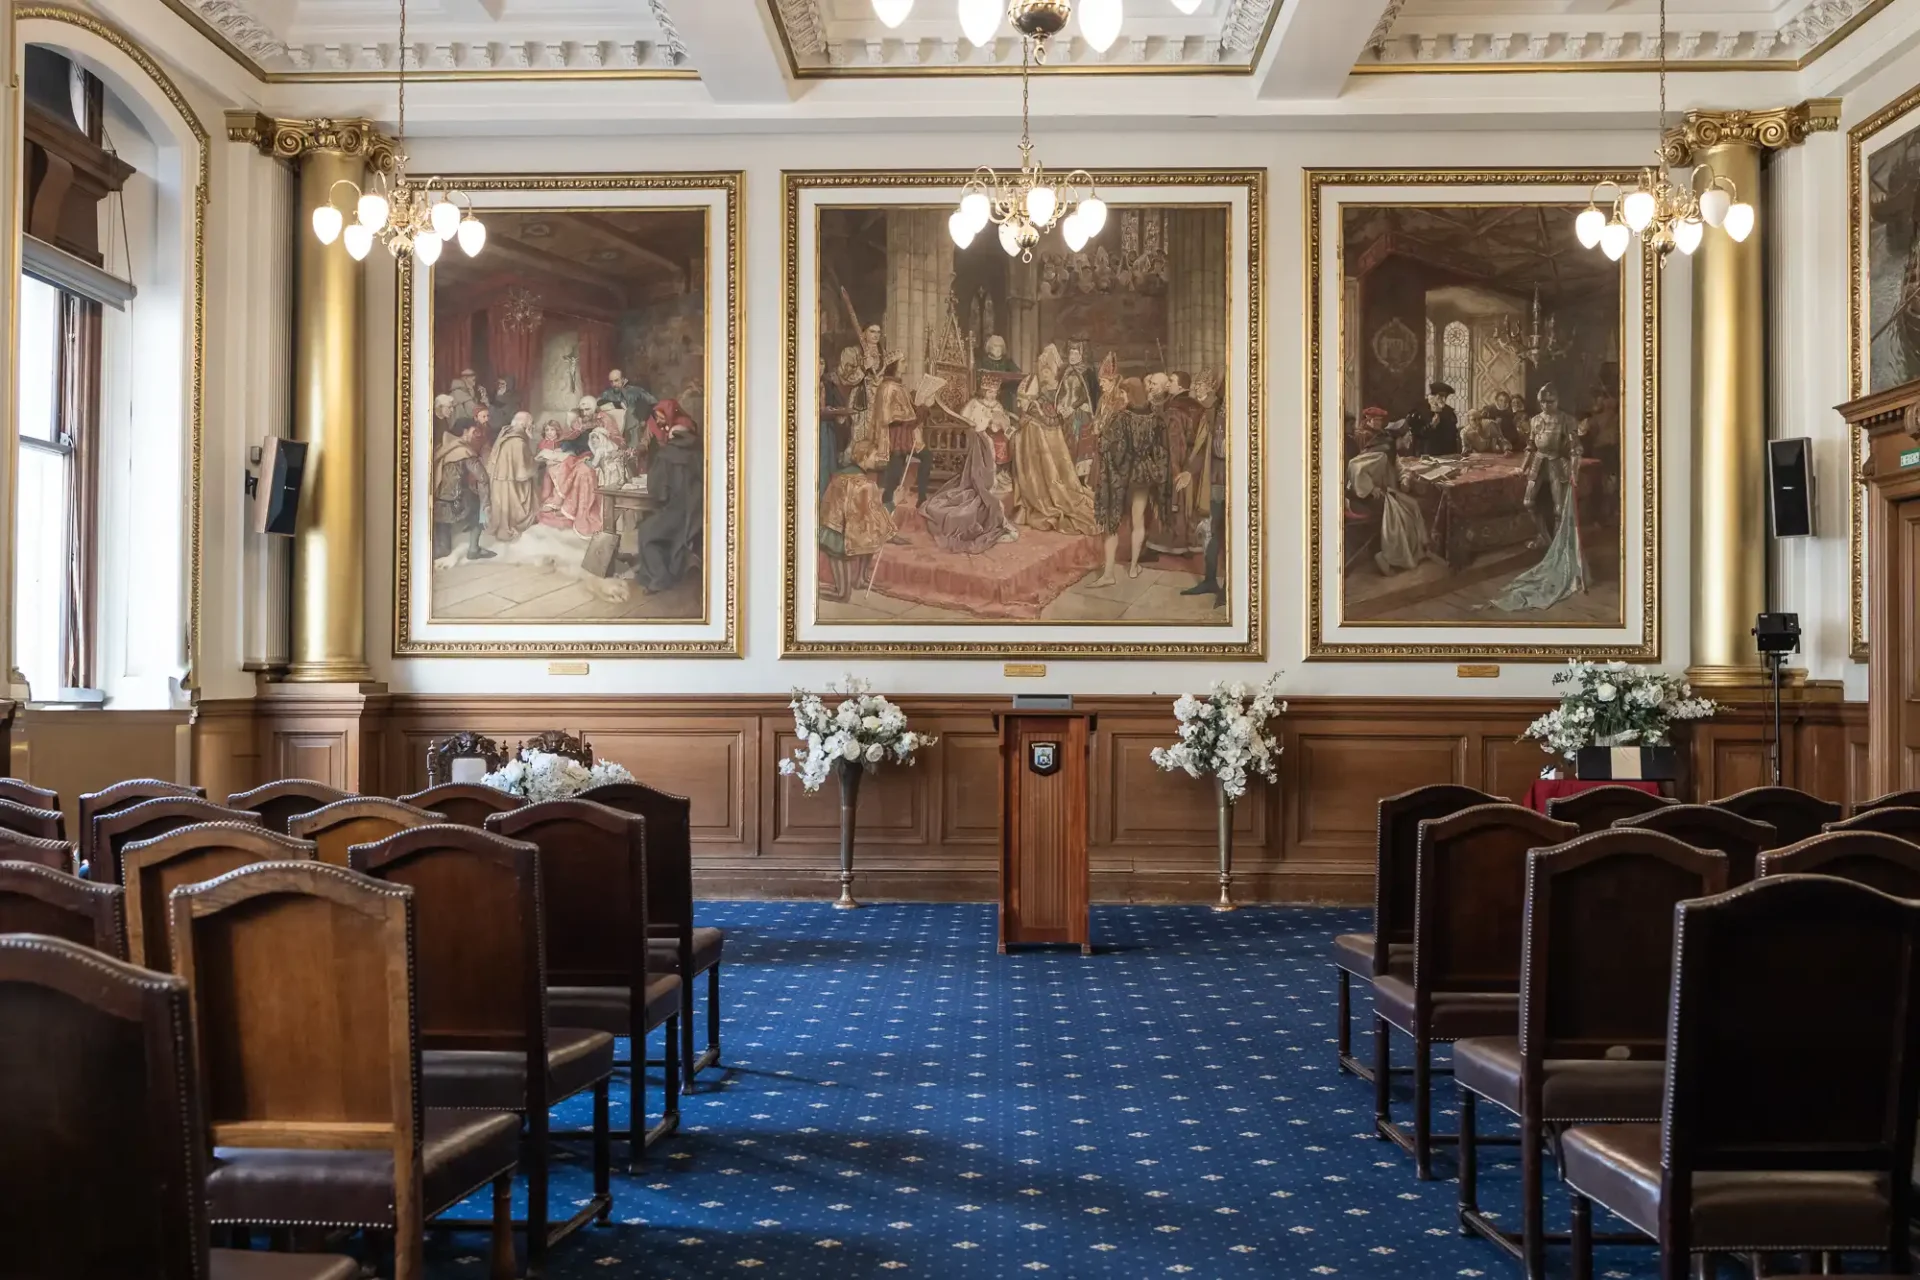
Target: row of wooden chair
{"points": [[456, 755]]}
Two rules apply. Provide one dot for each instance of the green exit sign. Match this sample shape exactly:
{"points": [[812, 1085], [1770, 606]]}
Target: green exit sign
{"points": [[1910, 458]]}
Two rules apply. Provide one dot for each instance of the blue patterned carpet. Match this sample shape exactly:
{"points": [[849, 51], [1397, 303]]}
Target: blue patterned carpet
{"points": [[904, 1101]]}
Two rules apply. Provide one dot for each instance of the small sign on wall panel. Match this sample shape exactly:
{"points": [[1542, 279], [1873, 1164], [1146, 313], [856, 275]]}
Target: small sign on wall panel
{"points": [[1910, 458], [1024, 670], [570, 668], [1477, 670]]}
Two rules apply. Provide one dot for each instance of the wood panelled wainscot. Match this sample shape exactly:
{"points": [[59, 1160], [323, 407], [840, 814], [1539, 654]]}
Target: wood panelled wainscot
{"points": [[932, 831]]}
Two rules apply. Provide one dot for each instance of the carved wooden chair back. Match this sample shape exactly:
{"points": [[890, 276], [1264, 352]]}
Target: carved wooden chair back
{"points": [[561, 743], [1706, 826], [1469, 911], [58, 854], [302, 987], [478, 937], [1904, 799], [1396, 853], [44, 824], [97, 1093], [35, 899], [337, 827], [1793, 813], [277, 802], [27, 794], [1891, 819], [118, 796], [114, 831], [1598, 950], [1601, 807], [669, 851], [462, 757], [466, 804], [1884, 862], [152, 869], [594, 883]]}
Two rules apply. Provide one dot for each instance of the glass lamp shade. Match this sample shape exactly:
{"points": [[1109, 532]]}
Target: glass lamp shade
{"points": [[1100, 23], [1739, 222], [1093, 215], [892, 12], [1074, 231], [977, 209], [427, 249], [1588, 226], [1638, 210], [961, 228], [1687, 233], [1041, 202], [473, 235], [359, 241], [327, 223], [1010, 239], [446, 219], [372, 211], [980, 20], [1714, 203], [1614, 239]]}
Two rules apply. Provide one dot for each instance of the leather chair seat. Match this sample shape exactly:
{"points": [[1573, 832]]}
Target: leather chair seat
{"points": [[707, 946], [1456, 1015], [249, 1264], [1618, 1166], [495, 1080], [1354, 953], [460, 1152], [605, 1008], [1573, 1089]]}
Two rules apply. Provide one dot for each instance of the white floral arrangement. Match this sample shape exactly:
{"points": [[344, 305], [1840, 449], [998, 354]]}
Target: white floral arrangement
{"points": [[542, 775], [1226, 735], [1613, 704], [865, 729]]}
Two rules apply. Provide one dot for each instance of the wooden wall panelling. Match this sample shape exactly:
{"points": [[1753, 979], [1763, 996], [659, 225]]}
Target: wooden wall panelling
{"points": [[226, 747]]}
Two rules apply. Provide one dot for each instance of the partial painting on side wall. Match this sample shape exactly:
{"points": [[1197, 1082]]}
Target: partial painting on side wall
{"points": [[576, 446]]}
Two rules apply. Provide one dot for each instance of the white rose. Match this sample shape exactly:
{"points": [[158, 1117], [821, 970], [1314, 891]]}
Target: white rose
{"points": [[875, 753], [851, 750], [1606, 692]]}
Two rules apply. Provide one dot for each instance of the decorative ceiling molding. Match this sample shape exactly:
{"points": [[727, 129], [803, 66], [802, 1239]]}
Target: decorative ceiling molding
{"points": [[236, 22], [805, 25], [669, 34]]}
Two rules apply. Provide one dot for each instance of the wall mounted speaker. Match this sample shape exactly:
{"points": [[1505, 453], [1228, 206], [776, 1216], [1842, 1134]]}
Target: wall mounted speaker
{"points": [[1790, 486], [276, 501]]}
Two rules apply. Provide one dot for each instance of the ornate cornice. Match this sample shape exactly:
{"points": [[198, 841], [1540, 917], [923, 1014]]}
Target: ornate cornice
{"points": [[669, 34], [238, 24], [291, 139], [1768, 130]]}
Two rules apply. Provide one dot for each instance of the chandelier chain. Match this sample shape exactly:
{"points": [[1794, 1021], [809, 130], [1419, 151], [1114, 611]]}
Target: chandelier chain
{"points": [[1661, 141]]}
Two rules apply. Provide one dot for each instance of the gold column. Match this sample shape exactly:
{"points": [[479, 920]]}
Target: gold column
{"points": [[329, 642], [1729, 418]]}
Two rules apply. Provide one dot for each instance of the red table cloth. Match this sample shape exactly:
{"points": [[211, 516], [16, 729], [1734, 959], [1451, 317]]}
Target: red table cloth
{"points": [[1545, 789]]}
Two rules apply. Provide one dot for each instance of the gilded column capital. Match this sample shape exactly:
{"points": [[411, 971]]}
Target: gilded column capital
{"points": [[291, 139], [1770, 130]]}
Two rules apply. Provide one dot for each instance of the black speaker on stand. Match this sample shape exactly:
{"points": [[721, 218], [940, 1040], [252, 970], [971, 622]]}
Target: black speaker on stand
{"points": [[1777, 635]]}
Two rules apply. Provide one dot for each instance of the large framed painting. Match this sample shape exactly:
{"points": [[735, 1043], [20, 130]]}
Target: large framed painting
{"points": [[1482, 454], [1044, 454], [1883, 249], [568, 473]]}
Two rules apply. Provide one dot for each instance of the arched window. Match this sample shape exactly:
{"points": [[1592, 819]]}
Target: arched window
{"points": [[1433, 354], [1456, 359]]}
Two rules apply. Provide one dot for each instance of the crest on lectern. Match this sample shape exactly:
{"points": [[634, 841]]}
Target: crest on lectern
{"points": [[1044, 757]]}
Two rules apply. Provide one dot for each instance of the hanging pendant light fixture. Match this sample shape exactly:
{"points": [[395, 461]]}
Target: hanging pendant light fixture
{"points": [[1666, 210], [1100, 20], [1030, 203], [408, 217]]}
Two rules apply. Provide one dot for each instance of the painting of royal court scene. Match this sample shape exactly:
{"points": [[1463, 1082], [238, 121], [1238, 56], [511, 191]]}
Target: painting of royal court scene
{"points": [[1044, 442], [571, 443]]}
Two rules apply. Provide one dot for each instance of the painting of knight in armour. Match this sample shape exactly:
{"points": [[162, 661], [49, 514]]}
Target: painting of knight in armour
{"points": [[1029, 441]]}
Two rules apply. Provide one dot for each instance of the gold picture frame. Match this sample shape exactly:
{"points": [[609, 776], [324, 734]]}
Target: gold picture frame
{"points": [[1243, 191], [717, 633], [1322, 240]]}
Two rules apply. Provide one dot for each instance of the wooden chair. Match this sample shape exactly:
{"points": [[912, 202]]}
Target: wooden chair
{"points": [[675, 944], [42, 824], [302, 980], [1904, 799], [1790, 1084], [1793, 813], [1892, 819], [560, 743], [465, 804], [593, 873], [100, 1108], [288, 798], [27, 794], [114, 831], [36, 899], [337, 827], [1396, 835], [482, 1011], [57, 854], [1706, 827], [1598, 951], [152, 869], [1470, 891], [118, 796], [1885, 862], [462, 757], [1601, 807]]}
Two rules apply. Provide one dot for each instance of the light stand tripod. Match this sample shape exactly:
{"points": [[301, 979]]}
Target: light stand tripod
{"points": [[1776, 635]]}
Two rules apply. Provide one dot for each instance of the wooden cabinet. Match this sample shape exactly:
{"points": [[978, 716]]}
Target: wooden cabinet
{"points": [[1043, 827]]}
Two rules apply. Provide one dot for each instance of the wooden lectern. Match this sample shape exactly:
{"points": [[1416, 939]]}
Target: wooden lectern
{"points": [[1043, 826]]}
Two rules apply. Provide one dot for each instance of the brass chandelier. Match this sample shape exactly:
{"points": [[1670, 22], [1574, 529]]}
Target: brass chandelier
{"points": [[1030, 203], [407, 217], [1665, 209]]}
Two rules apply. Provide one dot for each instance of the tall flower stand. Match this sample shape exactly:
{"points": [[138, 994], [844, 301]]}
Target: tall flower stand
{"points": [[1225, 804], [850, 775]]}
